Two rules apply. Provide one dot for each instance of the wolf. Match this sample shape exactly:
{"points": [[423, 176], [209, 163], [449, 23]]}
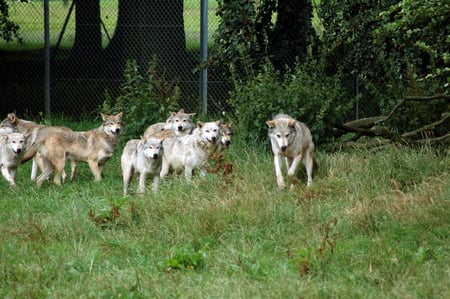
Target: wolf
{"points": [[94, 147], [12, 149], [292, 140], [178, 124], [226, 134], [191, 151], [145, 157], [30, 129]]}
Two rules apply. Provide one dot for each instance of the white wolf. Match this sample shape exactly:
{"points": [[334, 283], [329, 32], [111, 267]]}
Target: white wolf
{"points": [[291, 139], [145, 157], [192, 151], [12, 149]]}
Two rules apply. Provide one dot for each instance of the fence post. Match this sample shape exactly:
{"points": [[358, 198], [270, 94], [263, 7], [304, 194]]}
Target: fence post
{"points": [[204, 55], [47, 58]]}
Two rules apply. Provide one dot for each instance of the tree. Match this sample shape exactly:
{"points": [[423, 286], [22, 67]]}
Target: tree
{"points": [[9, 31], [144, 28], [148, 28], [246, 36], [87, 47]]}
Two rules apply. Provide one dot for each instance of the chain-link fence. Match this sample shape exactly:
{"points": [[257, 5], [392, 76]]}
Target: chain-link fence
{"points": [[89, 50]]}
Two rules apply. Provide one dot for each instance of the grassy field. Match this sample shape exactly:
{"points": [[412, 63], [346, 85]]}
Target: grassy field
{"points": [[30, 18], [373, 225]]}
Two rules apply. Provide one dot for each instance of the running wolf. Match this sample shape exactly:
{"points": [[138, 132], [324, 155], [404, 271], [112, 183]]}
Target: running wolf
{"points": [[292, 140], [145, 157], [12, 149], [191, 151], [94, 147]]}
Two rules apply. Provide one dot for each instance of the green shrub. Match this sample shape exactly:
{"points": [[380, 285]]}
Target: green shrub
{"points": [[305, 94], [144, 100]]}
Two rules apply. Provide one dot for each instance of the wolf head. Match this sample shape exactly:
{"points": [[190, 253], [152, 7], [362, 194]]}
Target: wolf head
{"points": [[282, 132], [151, 148], [16, 142], [112, 124], [182, 123], [226, 134], [6, 128], [209, 131]]}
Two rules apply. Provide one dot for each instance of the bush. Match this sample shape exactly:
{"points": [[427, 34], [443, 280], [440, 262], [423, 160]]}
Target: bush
{"points": [[144, 100], [305, 94]]}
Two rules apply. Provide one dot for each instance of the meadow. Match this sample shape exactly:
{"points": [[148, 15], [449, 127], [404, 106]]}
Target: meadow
{"points": [[374, 224]]}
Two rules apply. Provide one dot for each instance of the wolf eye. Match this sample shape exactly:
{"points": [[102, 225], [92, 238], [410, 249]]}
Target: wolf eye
{"points": [[287, 135]]}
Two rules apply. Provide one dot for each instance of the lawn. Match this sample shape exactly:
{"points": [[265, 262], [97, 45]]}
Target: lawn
{"points": [[374, 224], [30, 18]]}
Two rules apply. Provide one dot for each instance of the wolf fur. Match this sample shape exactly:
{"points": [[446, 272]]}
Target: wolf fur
{"points": [[192, 151], [145, 157], [292, 140], [31, 129], [226, 134], [12, 149], [94, 147], [178, 124]]}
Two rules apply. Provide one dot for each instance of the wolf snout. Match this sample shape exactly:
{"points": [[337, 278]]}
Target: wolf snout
{"points": [[283, 148], [18, 151], [180, 128], [116, 131], [155, 156]]}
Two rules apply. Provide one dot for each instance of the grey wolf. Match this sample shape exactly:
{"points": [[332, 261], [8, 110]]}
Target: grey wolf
{"points": [[178, 124], [30, 129], [12, 149], [145, 157], [292, 140], [94, 147], [192, 151], [226, 134]]}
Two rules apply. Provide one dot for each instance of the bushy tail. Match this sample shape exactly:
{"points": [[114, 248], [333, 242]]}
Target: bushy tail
{"points": [[30, 152]]}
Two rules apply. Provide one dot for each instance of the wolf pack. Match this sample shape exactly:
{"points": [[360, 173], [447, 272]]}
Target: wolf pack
{"points": [[176, 146]]}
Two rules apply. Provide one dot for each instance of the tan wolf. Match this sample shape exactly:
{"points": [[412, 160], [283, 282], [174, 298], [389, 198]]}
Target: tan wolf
{"points": [[94, 147], [30, 129], [292, 140], [192, 151], [178, 124], [12, 149], [145, 157]]}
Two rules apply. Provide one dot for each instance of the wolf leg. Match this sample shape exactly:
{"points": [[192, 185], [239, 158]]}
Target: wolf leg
{"points": [[292, 170], [308, 161], [278, 173]]}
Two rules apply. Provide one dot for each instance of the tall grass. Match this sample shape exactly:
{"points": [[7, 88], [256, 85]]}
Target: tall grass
{"points": [[372, 225]]}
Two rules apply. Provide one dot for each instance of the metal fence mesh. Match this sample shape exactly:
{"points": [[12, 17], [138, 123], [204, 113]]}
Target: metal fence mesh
{"points": [[77, 92]]}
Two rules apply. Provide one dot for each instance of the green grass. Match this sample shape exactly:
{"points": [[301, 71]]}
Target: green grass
{"points": [[30, 18], [373, 225]]}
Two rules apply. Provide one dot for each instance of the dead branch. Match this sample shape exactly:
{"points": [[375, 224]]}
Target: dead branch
{"points": [[371, 126]]}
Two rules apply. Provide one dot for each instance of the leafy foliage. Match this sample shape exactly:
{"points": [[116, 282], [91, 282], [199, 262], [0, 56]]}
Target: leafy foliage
{"points": [[143, 99], [185, 258], [395, 48], [305, 94], [9, 31]]}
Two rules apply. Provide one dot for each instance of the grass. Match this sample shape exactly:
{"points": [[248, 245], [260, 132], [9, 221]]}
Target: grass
{"points": [[30, 18], [373, 225]]}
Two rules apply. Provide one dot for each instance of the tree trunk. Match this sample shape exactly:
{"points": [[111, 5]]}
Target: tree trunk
{"points": [[146, 28], [292, 34], [87, 47]]}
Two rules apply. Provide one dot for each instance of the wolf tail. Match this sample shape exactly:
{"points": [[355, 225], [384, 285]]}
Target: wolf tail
{"points": [[30, 152]]}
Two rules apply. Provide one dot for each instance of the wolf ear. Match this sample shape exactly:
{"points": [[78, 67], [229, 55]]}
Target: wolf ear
{"points": [[291, 122], [12, 117], [271, 124], [200, 124], [192, 114], [120, 114], [104, 116], [181, 110], [219, 122]]}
